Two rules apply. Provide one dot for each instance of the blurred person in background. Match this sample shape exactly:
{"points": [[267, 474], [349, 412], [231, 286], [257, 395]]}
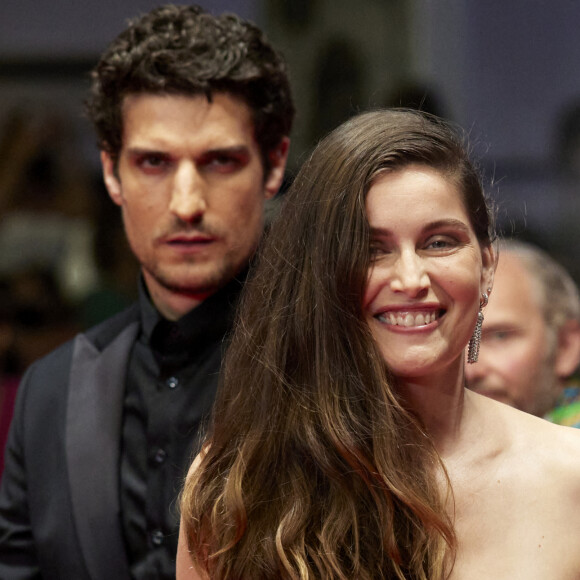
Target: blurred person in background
{"points": [[35, 318], [530, 342], [47, 194]]}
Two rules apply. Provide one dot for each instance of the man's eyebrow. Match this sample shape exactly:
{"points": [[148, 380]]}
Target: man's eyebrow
{"points": [[146, 151], [159, 150], [233, 150]]}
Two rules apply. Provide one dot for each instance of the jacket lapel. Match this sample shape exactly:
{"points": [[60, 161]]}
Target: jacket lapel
{"points": [[93, 433]]}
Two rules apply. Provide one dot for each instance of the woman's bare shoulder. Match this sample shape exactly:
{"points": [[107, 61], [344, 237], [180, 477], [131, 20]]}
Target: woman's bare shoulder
{"points": [[550, 450], [528, 441], [528, 479]]}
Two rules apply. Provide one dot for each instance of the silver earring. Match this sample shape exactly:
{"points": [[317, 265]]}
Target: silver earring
{"points": [[475, 340]]}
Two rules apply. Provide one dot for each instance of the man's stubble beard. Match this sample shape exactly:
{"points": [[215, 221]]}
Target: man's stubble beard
{"points": [[202, 278]]}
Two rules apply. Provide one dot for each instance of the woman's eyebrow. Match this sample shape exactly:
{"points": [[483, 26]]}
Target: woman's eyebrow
{"points": [[446, 223], [443, 223]]}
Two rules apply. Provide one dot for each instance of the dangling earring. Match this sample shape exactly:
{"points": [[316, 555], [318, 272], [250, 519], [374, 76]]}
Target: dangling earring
{"points": [[475, 340]]}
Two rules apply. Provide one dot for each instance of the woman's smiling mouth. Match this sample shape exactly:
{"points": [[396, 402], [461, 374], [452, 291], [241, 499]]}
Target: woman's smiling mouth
{"points": [[408, 318]]}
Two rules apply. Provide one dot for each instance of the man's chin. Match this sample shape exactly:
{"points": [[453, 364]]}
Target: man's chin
{"points": [[202, 282]]}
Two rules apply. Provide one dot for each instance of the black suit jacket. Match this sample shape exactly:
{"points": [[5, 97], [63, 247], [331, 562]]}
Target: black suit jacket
{"points": [[62, 461]]}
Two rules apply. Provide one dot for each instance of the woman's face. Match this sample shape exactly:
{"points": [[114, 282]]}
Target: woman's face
{"points": [[428, 271]]}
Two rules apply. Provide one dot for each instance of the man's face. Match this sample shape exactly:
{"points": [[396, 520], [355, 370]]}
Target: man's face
{"points": [[191, 187], [515, 365]]}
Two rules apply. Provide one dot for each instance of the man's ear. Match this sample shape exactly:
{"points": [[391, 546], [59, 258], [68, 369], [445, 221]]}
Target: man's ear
{"points": [[110, 178], [489, 262], [278, 158], [568, 349]]}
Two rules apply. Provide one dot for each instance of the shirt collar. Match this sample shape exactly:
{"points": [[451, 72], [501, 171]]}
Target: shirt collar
{"points": [[208, 321]]}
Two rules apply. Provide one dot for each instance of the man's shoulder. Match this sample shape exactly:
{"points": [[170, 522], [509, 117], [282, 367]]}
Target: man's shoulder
{"points": [[105, 332], [100, 336]]}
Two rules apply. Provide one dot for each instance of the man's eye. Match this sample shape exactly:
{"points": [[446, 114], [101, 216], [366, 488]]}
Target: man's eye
{"points": [[152, 161], [500, 334], [223, 163], [497, 335], [224, 159]]}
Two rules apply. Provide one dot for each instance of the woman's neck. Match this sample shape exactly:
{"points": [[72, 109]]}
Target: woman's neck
{"points": [[439, 401]]}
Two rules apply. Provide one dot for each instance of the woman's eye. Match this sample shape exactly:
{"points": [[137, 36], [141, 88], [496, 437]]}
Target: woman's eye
{"points": [[440, 243], [378, 250]]}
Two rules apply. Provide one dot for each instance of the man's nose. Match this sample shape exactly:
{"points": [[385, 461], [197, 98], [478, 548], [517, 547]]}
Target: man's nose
{"points": [[188, 196], [409, 275]]}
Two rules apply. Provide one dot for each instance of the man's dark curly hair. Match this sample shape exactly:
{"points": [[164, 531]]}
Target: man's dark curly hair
{"points": [[183, 50]]}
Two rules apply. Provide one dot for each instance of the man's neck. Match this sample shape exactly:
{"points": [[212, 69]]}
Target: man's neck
{"points": [[171, 304]]}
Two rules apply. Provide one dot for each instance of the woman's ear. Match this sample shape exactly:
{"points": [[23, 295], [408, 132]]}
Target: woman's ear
{"points": [[489, 258]]}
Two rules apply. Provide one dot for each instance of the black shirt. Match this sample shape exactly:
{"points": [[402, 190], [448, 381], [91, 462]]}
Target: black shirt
{"points": [[171, 383]]}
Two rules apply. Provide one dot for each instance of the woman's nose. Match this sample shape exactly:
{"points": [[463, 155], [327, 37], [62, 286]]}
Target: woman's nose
{"points": [[409, 274]]}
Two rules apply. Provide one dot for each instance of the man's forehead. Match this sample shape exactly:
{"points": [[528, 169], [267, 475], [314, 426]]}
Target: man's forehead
{"points": [[224, 122], [515, 289], [202, 97]]}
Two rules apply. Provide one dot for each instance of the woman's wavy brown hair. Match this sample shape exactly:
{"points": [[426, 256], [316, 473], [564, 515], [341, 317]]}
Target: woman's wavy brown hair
{"points": [[314, 467]]}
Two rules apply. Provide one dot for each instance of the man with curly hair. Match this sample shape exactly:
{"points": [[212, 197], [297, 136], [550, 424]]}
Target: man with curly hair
{"points": [[193, 114]]}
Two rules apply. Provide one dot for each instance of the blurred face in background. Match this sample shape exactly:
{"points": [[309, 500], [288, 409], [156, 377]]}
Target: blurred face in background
{"points": [[518, 359]]}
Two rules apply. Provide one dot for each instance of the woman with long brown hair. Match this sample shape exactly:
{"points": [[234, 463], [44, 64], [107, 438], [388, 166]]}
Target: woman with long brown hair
{"points": [[343, 442]]}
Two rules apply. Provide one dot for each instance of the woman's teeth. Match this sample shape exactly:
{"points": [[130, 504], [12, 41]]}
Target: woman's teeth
{"points": [[408, 318]]}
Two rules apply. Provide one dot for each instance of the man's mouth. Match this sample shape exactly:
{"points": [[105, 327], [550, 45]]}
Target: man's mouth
{"points": [[410, 319], [189, 240]]}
